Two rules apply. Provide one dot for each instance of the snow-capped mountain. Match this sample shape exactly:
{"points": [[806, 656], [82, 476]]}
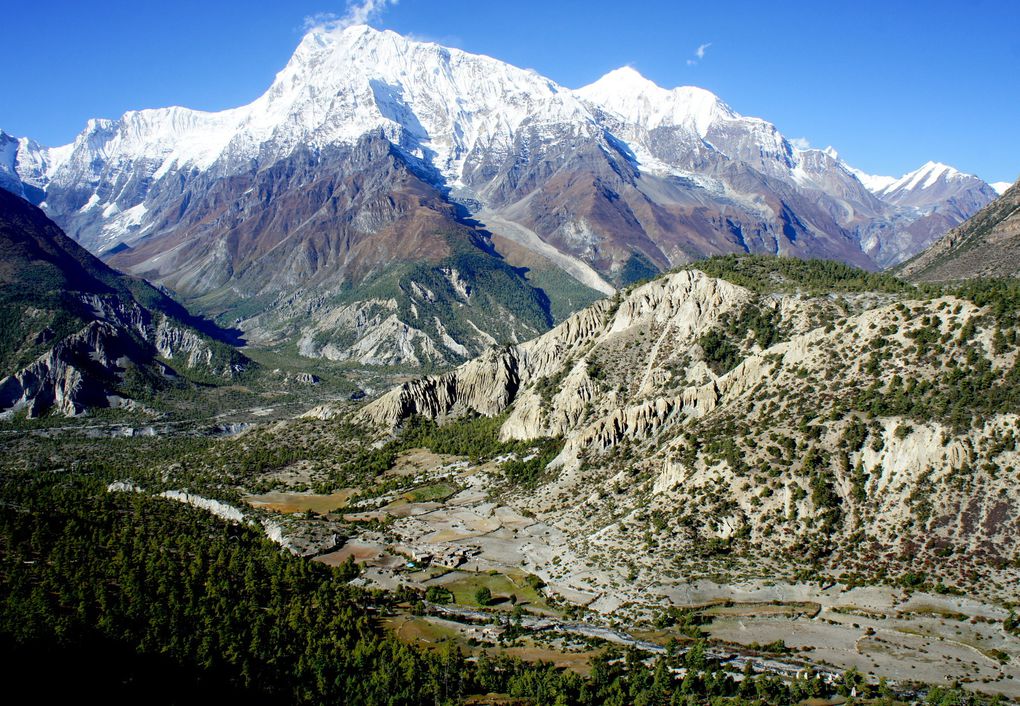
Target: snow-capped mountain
{"points": [[928, 185], [643, 111], [26, 167], [637, 101], [929, 202], [437, 104], [9, 179], [367, 141]]}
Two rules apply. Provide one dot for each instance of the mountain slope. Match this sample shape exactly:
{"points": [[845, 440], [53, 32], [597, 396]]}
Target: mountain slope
{"points": [[77, 335], [810, 418], [369, 147], [350, 251], [987, 245]]}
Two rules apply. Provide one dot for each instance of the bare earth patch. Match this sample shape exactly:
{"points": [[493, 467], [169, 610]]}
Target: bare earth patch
{"points": [[301, 502]]}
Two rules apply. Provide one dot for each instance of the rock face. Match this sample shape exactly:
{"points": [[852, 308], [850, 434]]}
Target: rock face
{"points": [[374, 163], [80, 336], [987, 245], [551, 381], [486, 385], [69, 379], [844, 427]]}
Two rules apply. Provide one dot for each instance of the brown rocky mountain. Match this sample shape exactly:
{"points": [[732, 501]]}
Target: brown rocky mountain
{"points": [[593, 202], [987, 245], [75, 335], [350, 251]]}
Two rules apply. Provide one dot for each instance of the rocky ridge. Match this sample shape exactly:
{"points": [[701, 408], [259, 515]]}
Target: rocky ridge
{"points": [[80, 336], [826, 431]]}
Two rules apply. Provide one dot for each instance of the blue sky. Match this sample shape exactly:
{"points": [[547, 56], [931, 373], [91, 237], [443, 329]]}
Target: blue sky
{"points": [[890, 84]]}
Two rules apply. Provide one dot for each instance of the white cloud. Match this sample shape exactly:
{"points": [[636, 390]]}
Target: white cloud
{"points": [[801, 143], [699, 54], [319, 19], [358, 12]]}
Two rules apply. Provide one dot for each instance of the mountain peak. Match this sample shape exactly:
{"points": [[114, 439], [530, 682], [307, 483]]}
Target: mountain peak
{"points": [[628, 81], [983, 246], [366, 45], [636, 99], [325, 36], [437, 103], [489, 131], [936, 167], [926, 176], [625, 79]]}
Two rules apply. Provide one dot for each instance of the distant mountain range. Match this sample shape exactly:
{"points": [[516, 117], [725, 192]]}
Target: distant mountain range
{"points": [[390, 201], [987, 245]]}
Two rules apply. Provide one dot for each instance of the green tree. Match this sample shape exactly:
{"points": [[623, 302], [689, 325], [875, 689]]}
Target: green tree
{"points": [[483, 596]]}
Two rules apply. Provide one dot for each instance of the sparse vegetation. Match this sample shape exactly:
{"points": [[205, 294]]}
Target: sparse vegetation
{"points": [[768, 274]]}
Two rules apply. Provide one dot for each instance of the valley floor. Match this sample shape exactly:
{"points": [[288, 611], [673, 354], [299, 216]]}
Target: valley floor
{"points": [[448, 525], [465, 539]]}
